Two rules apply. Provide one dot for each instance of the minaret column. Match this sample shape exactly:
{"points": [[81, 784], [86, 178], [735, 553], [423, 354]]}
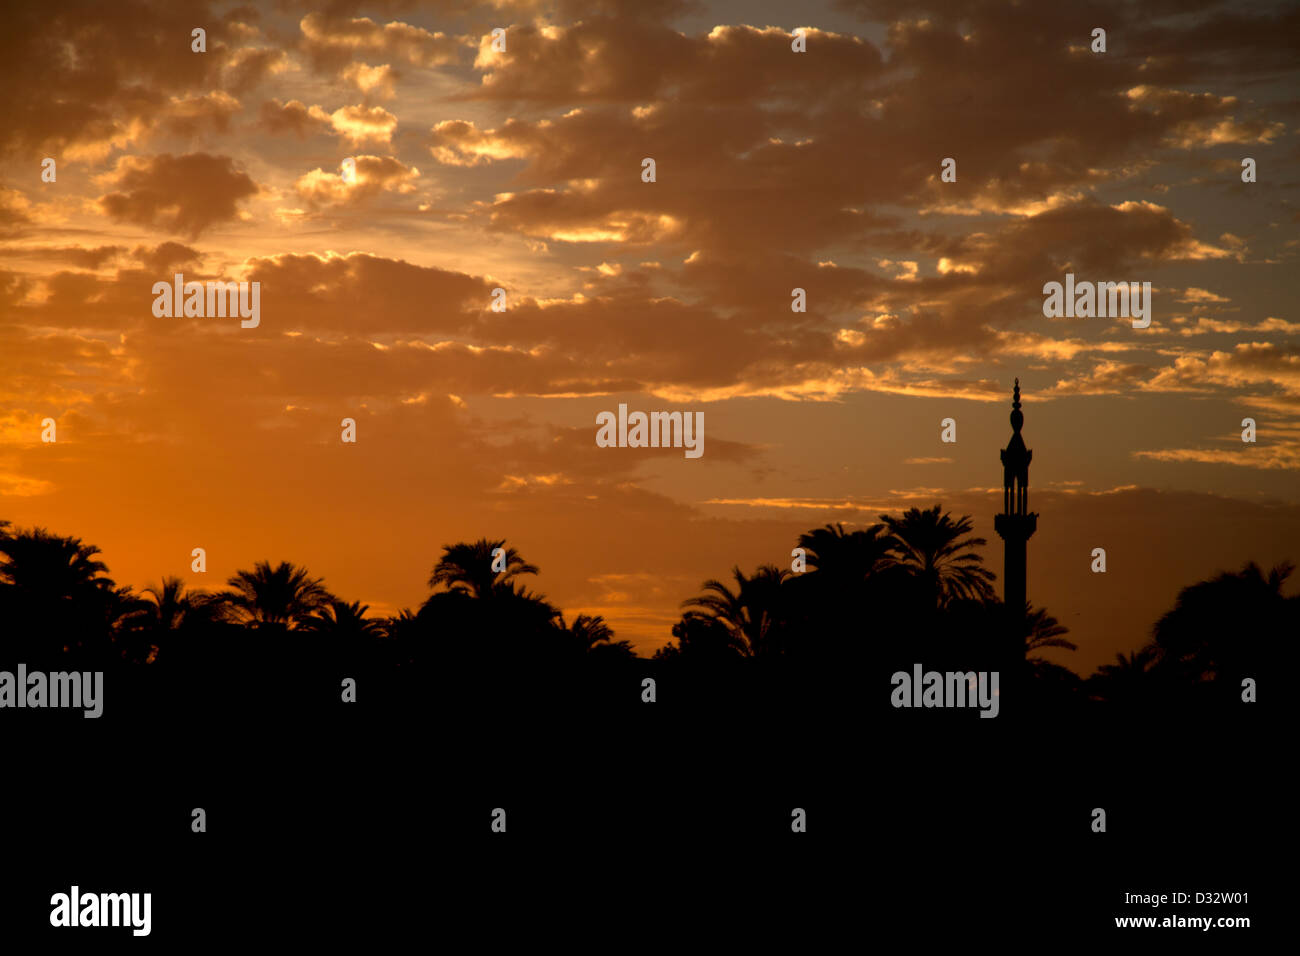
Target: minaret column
{"points": [[1016, 524]]}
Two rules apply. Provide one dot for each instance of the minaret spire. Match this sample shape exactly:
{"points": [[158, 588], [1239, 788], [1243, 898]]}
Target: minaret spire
{"points": [[1016, 524]]}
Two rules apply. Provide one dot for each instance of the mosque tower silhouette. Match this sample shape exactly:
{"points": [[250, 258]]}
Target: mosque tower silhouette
{"points": [[1016, 524]]}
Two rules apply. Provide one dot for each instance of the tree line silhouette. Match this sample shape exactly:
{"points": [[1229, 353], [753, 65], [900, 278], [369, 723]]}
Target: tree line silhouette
{"points": [[909, 589]]}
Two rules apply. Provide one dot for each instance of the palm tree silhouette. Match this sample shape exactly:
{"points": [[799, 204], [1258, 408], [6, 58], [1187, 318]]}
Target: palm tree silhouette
{"points": [[932, 547], [592, 636], [165, 608], [46, 565], [1041, 631], [58, 597], [755, 613], [283, 598], [401, 640], [468, 567], [919, 575], [1134, 665], [528, 609], [846, 557], [1229, 626], [1128, 680], [342, 634], [344, 621], [849, 571], [160, 613], [486, 621], [703, 638]]}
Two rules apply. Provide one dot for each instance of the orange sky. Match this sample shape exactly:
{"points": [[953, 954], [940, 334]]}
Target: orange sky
{"points": [[479, 169]]}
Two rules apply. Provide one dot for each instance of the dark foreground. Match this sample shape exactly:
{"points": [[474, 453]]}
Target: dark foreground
{"points": [[627, 820]]}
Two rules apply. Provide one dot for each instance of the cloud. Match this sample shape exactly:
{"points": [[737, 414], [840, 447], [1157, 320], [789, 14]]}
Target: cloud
{"points": [[191, 115], [1206, 326], [80, 256], [360, 124], [356, 124], [87, 80], [460, 143], [1193, 294], [330, 42], [1267, 457], [180, 194], [14, 211], [249, 66], [374, 175], [166, 256], [1197, 118], [775, 170], [293, 117], [20, 486], [1105, 378], [360, 293], [374, 81], [1248, 368], [617, 60]]}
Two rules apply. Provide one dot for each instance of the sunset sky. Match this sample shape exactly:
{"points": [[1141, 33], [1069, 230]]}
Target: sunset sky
{"points": [[478, 169]]}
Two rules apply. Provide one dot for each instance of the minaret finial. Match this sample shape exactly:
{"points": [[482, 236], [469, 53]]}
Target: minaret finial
{"points": [[1016, 402], [1017, 416]]}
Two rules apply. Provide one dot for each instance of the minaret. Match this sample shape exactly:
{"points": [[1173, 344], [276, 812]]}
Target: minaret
{"points": [[1016, 525]]}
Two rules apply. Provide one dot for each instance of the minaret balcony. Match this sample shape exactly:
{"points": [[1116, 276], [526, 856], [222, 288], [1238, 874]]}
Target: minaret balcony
{"points": [[1012, 527]]}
